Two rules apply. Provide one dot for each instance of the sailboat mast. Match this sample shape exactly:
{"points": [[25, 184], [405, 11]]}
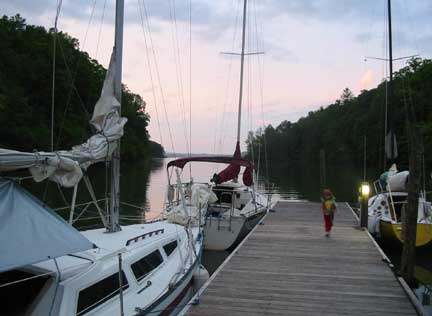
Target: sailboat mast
{"points": [[391, 132], [115, 161], [390, 44], [241, 71]]}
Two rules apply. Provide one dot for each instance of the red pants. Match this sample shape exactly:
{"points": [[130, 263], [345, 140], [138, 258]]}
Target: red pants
{"points": [[328, 220]]}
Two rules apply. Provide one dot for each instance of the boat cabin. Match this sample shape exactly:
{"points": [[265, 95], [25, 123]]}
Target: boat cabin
{"points": [[90, 281], [231, 195]]}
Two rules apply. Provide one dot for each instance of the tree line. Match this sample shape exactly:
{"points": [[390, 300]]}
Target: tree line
{"points": [[26, 62], [343, 128]]}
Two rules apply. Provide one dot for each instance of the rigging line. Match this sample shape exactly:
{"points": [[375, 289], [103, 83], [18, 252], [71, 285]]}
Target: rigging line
{"points": [[411, 25], [219, 116], [176, 50], [248, 76], [150, 71], [100, 29], [249, 80], [73, 77], [253, 6], [158, 74], [369, 33], [190, 84], [219, 125], [261, 89], [226, 97], [180, 75], [385, 70], [251, 67], [73, 88], [58, 10]]}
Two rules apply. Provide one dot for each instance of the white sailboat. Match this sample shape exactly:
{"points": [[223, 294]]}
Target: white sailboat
{"points": [[235, 208], [49, 268]]}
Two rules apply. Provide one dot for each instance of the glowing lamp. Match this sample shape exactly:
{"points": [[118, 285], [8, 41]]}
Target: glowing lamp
{"points": [[365, 189]]}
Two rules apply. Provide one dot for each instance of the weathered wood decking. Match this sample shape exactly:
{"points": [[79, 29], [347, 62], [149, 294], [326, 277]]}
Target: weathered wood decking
{"points": [[288, 267]]}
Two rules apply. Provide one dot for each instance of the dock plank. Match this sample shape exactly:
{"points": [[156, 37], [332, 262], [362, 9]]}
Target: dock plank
{"points": [[288, 267]]}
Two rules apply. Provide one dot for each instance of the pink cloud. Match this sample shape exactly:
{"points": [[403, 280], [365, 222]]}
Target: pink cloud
{"points": [[367, 79]]}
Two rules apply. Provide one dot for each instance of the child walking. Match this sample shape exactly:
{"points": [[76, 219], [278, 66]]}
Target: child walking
{"points": [[328, 208]]}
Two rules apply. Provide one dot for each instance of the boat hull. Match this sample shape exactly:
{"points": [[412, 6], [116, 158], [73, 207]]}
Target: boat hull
{"points": [[221, 233], [249, 224], [172, 302], [392, 233]]}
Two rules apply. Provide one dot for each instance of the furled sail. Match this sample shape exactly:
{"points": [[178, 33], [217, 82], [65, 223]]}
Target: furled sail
{"points": [[391, 145], [232, 171], [65, 167]]}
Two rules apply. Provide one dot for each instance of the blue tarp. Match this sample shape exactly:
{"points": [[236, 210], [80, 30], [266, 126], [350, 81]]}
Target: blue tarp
{"points": [[30, 232]]}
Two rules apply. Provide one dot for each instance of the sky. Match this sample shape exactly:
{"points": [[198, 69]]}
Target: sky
{"points": [[173, 57]]}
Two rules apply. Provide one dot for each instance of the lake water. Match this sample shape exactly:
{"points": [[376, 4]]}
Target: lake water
{"points": [[143, 188]]}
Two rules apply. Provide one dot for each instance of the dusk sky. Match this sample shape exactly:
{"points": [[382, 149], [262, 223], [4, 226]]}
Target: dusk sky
{"points": [[313, 50]]}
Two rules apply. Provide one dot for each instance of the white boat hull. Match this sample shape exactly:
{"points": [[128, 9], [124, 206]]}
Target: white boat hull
{"points": [[172, 302], [221, 233]]}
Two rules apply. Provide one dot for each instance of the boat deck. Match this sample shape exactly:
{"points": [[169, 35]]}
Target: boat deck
{"points": [[288, 267]]}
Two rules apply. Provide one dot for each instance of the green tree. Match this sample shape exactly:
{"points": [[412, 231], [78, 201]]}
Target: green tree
{"points": [[25, 92]]}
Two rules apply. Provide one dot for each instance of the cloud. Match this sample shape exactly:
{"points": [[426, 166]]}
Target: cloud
{"points": [[280, 53], [26, 7], [367, 79], [318, 9], [363, 37]]}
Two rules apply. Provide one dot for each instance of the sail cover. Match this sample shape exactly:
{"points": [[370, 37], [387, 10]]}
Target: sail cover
{"points": [[31, 232], [65, 166], [232, 171]]}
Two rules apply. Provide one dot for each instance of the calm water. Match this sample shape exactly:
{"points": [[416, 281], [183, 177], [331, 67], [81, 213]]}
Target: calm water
{"points": [[143, 187]]}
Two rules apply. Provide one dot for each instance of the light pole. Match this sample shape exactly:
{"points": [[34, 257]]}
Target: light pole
{"points": [[364, 195]]}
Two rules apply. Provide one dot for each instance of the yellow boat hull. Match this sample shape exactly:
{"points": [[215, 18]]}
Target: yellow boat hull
{"points": [[392, 232]]}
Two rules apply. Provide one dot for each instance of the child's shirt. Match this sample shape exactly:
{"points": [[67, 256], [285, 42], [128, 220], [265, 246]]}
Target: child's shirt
{"points": [[328, 206]]}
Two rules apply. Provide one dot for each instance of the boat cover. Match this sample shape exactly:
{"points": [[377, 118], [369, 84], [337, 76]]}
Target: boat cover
{"points": [[229, 173], [232, 171], [181, 162], [30, 232], [65, 166], [193, 213]]}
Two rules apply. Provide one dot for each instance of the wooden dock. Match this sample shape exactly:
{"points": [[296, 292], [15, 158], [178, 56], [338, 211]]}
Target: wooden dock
{"points": [[288, 267]]}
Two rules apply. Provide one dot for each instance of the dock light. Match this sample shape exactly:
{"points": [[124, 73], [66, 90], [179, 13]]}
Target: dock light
{"points": [[365, 189], [364, 196]]}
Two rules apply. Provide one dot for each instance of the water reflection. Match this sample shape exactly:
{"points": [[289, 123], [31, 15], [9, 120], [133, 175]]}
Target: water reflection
{"points": [[422, 271], [300, 181], [143, 185], [135, 185]]}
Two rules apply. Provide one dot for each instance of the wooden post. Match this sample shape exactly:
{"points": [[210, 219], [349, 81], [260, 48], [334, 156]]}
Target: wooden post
{"points": [[364, 213], [409, 221]]}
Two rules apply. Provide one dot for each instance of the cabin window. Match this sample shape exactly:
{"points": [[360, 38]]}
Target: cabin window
{"points": [[27, 291], [169, 248], [100, 292], [147, 264]]}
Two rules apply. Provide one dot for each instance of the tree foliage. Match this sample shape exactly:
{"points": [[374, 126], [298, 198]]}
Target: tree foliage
{"points": [[26, 61], [340, 128]]}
